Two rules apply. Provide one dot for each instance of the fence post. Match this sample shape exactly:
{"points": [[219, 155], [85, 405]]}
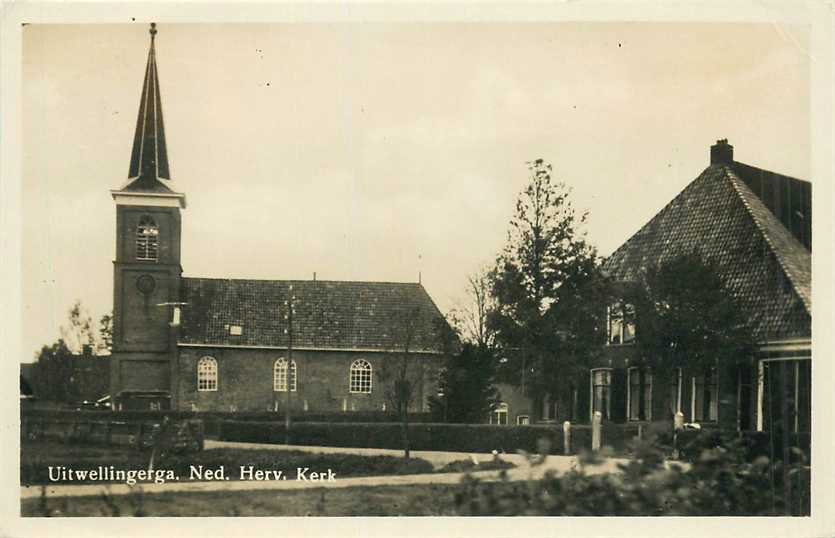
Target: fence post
{"points": [[678, 425], [566, 437], [595, 430]]}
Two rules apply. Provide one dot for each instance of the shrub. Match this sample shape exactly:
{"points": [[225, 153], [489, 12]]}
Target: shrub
{"points": [[719, 482], [468, 465], [451, 437]]}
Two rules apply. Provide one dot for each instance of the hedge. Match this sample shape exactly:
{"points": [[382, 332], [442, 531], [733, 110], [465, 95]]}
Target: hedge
{"points": [[211, 419], [425, 436]]}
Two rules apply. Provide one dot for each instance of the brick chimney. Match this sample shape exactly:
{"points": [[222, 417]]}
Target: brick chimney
{"points": [[721, 152]]}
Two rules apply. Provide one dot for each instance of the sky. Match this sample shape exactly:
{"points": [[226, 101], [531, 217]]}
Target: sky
{"points": [[381, 152]]}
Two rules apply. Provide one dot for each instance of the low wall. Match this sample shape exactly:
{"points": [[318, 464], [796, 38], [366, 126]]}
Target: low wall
{"points": [[139, 434]]}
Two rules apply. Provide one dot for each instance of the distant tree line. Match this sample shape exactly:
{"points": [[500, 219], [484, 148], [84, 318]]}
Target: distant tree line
{"points": [[76, 366]]}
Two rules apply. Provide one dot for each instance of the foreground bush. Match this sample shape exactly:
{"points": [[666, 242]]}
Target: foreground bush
{"points": [[719, 482], [465, 466]]}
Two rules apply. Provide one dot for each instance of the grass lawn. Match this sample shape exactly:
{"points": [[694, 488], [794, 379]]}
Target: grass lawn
{"points": [[414, 500], [37, 457]]}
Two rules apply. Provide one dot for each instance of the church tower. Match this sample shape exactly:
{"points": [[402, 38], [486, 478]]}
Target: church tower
{"points": [[147, 267]]}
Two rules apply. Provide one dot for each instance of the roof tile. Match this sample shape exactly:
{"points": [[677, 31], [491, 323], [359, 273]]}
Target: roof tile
{"points": [[766, 268], [379, 316]]}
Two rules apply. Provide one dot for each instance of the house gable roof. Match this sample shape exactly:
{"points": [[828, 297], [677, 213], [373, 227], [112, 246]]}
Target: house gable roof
{"points": [[765, 267], [331, 315]]}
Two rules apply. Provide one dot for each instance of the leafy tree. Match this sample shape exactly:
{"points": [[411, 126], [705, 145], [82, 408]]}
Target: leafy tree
{"points": [[545, 250], [105, 342], [80, 331], [579, 313], [466, 393], [53, 373], [687, 318]]}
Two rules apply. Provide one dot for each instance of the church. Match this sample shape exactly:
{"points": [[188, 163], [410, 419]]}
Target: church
{"points": [[205, 344]]}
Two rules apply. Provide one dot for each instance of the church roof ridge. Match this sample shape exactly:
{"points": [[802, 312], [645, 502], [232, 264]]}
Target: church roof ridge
{"points": [[303, 280]]}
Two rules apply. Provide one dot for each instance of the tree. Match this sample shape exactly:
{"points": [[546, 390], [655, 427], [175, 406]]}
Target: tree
{"points": [[470, 318], [56, 376], [687, 318], [545, 250], [399, 372], [465, 391], [53, 373], [105, 343], [80, 331]]}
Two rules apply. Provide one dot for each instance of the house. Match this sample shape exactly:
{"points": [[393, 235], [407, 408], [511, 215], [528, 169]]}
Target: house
{"points": [[193, 343], [755, 227]]}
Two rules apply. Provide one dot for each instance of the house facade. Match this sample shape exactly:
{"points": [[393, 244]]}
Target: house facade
{"points": [[754, 226], [191, 343]]}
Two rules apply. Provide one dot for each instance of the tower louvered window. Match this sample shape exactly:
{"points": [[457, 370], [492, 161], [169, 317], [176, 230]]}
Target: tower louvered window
{"points": [[147, 239]]}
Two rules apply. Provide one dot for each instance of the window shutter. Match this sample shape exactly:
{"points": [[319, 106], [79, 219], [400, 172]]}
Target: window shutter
{"points": [[618, 392]]}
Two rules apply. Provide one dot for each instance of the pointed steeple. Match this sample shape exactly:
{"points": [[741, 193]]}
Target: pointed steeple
{"points": [[149, 158]]}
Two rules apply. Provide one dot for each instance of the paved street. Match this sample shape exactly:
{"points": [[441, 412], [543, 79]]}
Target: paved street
{"points": [[522, 471]]}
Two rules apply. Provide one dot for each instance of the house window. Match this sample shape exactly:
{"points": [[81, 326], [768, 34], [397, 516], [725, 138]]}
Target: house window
{"points": [[280, 375], [499, 415], [789, 378], [639, 394], [207, 374], [706, 396], [620, 324], [601, 386], [523, 420], [360, 379], [147, 237]]}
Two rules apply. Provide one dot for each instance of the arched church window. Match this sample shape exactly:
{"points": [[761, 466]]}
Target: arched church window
{"points": [[280, 375], [207, 374], [147, 239], [360, 380]]}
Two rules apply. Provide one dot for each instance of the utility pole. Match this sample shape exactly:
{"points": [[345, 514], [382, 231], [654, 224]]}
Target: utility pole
{"points": [[290, 369]]}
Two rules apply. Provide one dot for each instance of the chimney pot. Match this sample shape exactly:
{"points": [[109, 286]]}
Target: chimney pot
{"points": [[721, 152]]}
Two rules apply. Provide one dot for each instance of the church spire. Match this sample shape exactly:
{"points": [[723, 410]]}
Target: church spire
{"points": [[149, 158]]}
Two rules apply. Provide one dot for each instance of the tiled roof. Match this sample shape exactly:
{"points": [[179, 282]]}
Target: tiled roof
{"points": [[788, 198], [373, 316], [766, 268]]}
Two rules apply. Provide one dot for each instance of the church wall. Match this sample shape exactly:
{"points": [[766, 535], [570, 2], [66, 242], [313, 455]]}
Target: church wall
{"points": [[245, 381], [140, 371]]}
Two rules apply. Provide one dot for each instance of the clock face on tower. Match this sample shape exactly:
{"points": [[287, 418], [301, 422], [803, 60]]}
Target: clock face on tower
{"points": [[146, 284]]}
